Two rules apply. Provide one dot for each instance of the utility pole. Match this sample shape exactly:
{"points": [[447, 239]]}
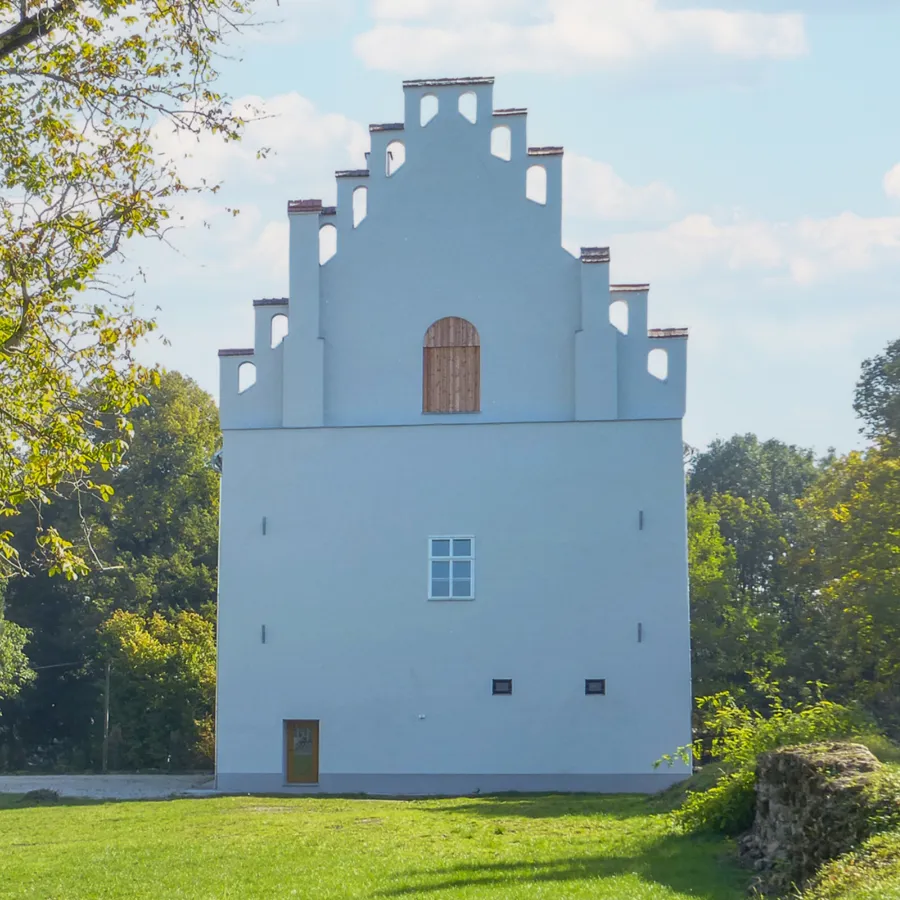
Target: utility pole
{"points": [[106, 718]]}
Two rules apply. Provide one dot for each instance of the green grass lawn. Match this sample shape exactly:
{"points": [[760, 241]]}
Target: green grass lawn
{"points": [[603, 848]]}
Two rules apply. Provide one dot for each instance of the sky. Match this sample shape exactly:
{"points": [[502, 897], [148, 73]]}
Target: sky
{"points": [[742, 158]]}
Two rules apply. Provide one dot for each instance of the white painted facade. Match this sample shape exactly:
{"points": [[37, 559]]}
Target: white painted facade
{"points": [[569, 481]]}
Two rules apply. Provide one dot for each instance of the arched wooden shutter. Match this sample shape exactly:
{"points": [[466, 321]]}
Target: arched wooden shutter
{"points": [[451, 367]]}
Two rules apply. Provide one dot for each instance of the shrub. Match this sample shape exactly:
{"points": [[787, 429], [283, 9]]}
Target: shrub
{"points": [[735, 736], [163, 691], [883, 747], [727, 807], [883, 800]]}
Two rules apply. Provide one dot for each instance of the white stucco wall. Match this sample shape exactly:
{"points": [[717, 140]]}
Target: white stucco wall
{"points": [[449, 233], [563, 576], [574, 439]]}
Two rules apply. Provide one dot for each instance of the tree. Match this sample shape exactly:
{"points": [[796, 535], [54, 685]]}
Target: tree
{"points": [[163, 688], [14, 670], [160, 527], [745, 467], [711, 567], [731, 639], [877, 397], [852, 542], [158, 536], [759, 541], [83, 83], [754, 487]]}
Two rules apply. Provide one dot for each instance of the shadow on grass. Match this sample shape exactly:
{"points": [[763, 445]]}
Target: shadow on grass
{"points": [[23, 801], [547, 806], [703, 780], [532, 806], [693, 866]]}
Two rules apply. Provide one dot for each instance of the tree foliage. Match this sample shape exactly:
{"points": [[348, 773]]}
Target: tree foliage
{"points": [[158, 536], [853, 541], [734, 735], [877, 397], [83, 84], [163, 689], [760, 543], [735, 484], [720, 638], [160, 528], [745, 467], [795, 565], [15, 672]]}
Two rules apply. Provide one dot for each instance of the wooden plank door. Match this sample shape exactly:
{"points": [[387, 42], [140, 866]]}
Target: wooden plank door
{"points": [[451, 367], [301, 737]]}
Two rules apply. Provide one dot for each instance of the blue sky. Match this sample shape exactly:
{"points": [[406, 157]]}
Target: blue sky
{"points": [[743, 158]]}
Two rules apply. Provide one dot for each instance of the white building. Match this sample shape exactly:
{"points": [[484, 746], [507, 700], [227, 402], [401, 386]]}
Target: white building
{"points": [[453, 545]]}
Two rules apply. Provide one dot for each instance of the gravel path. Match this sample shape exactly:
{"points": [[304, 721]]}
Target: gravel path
{"points": [[107, 787]]}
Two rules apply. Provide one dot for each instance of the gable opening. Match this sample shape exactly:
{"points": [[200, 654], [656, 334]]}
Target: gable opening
{"points": [[468, 106], [278, 329], [360, 204], [658, 363], [536, 184], [501, 142], [618, 315], [428, 109], [246, 376], [327, 243], [395, 156]]}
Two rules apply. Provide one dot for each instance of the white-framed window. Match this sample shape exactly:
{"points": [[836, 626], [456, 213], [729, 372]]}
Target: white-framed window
{"points": [[451, 567]]}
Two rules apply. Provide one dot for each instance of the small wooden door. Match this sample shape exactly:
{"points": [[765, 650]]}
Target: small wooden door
{"points": [[301, 737]]}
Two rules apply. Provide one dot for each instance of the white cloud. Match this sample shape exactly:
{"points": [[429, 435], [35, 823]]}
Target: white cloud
{"points": [[892, 182], [593, 190], [267, 253], [565, 35], [460, 10], [800, 336], [299, 139], [305, 146], [803, 252], [292, 21]]}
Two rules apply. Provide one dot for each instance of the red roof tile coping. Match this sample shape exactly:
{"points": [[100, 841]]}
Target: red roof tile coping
{"points": [[668, 333], [545, 151], [619, 288], [270, 301], [352, 173], [239, 352], [447, 82], [387, 126], [513, 111], [595, 254], [304, 206]]}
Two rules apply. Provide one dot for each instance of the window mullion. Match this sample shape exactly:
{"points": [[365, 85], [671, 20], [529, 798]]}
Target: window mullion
{"points": [[451, 558]]}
